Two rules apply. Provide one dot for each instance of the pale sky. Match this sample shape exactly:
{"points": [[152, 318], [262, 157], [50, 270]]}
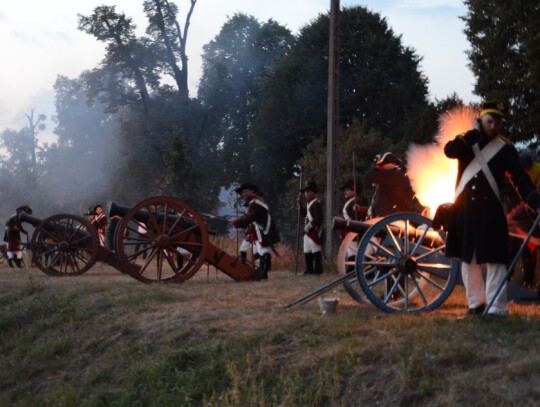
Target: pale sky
{"points": [[39, 40]]}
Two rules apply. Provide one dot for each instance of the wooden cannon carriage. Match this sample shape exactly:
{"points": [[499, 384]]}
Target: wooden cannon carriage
{"points": [[399, 264], [161, 239]]}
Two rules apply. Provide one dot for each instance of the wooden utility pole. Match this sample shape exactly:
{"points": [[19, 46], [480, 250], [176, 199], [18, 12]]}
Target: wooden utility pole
{"points": [[332, 175]]}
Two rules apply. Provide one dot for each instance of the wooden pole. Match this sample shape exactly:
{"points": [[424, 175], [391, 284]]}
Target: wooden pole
{"points": [[332, 175]]}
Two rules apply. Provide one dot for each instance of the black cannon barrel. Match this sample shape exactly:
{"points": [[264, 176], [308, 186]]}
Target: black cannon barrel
{"points": [[29, 219], [350, 225], [25, 218], [144, 217]]}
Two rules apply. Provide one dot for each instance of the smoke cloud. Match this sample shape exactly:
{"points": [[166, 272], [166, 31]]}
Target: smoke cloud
{"points": [[432, 174]]}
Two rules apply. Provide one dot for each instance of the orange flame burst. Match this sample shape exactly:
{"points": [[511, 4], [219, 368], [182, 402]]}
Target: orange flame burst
{"points": [[432, 174]]}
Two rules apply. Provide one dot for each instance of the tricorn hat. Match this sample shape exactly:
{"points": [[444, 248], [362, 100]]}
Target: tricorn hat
{"points": [[497, 108], [24, 208], [349, 184], [387, 158], [311, 185], [246, 185]]}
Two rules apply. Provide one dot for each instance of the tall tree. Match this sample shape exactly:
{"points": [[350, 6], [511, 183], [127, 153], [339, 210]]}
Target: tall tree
{"points": [[236, 66], [19, 147], [164, 27], [505, 58], [125, 52], [35, 124], [80, 168], [380, 84]]}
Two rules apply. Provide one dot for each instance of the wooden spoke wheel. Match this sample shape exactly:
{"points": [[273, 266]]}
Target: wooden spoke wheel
{"points": [[161, 239], [346, 263], [401, 266], [64, 245]]}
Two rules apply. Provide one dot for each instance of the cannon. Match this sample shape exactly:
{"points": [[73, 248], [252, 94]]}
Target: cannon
{"points": [[63, 244], [399, 264], [161, 239]]}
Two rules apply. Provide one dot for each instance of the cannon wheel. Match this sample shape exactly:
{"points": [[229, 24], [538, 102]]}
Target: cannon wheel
{"points": [[401, 267], [351, 286], [169, 247], [64, 245]]}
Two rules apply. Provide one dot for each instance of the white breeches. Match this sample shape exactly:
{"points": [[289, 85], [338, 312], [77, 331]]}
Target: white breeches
{"points": [[310, 246], [480, 293], [13, 255]]}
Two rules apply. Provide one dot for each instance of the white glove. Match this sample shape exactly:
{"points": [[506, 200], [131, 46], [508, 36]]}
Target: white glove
{"points": [[308, 228]]}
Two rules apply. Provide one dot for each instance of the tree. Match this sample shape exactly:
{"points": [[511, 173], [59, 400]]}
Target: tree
{"points": [[128, 56], [505, 58], [35, 123], [236, 66], [353, 138], [380, 84], [79, 170], [18, 144], [164, 27]]}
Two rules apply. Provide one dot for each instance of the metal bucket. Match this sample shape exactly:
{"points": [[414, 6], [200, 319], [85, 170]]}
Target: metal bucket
{"points": [[328, 305]]}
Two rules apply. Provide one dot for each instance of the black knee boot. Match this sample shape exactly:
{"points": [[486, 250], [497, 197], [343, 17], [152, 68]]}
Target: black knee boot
{"points": [[10, 262], [18, 262], [266, 260], [309, 263], [317, 257], [243, 257]]}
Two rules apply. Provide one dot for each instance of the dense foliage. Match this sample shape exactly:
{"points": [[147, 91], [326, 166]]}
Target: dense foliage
{"points": [[505, 58]]}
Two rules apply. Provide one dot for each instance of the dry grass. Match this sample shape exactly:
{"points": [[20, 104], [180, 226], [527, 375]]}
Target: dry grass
{"points": [[105, 339]]}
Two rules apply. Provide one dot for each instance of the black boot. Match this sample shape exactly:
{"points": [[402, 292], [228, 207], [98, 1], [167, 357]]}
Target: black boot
{"points": [[10, 262], [243, 257], [317, 257], [18, 262], [308, 257], [266, 260]]}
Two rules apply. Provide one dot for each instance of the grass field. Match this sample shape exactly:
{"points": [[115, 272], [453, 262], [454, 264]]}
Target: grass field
{"points": [[104, 339]]}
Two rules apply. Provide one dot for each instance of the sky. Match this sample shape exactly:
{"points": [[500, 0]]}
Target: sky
{"points": [[39, 40]]}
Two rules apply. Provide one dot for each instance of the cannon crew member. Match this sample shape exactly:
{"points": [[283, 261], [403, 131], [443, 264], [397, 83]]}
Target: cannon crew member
{"points": [[13, 236], [393, 191], [313, 213], [258, 217], [478, 231], [100, 222], [352, 210]]}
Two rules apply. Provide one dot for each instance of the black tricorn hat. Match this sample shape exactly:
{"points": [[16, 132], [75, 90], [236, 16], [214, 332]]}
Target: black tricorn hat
{"points": [[24, 208], [311, 185], [246, 185], [349, 184], [498, 108], [388, 158]]}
